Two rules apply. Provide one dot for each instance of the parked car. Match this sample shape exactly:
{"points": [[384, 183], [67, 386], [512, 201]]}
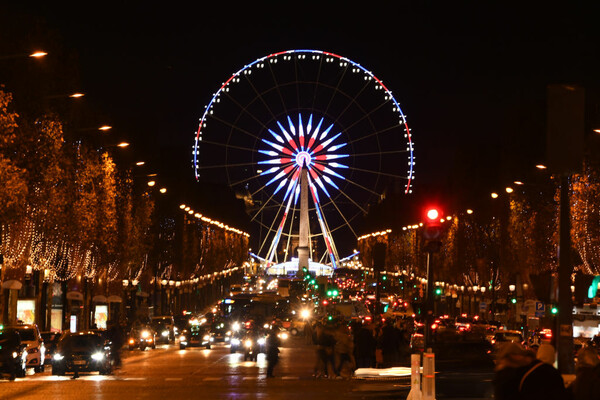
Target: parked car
{"points": [[13, 354], [36, 351], [82, 352]]}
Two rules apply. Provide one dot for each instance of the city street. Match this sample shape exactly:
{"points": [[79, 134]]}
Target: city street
{"points": [[170, 373]]}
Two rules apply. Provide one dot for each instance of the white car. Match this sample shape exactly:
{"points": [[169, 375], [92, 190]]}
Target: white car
{"points": [[36, 351]]}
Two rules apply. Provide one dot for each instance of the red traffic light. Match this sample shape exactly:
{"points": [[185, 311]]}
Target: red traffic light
{"points": [[433, 214], [433, 217]]}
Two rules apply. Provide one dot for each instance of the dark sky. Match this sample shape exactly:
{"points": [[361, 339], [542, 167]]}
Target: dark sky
{"points": [[470, 76]]}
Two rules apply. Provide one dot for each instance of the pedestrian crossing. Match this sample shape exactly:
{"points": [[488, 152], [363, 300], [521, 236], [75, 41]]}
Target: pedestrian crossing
{"points": [[101, 378]]}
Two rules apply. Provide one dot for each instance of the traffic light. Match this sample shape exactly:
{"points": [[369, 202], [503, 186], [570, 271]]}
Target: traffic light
{"points": [[432, 231], [554, 310], [438, 291], [513, 300]]}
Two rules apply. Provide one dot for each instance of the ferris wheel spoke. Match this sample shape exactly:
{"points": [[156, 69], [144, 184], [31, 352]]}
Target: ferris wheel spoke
{"points": [[205, 167], [351, 200], [375, 133], [368, 114], [277, 86], [379, 173], [337, 89], [353, 101], [234, 127], [259, 95], [380, 153]]}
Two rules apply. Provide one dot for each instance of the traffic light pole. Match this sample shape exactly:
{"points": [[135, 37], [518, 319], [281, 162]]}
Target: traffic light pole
{"points": [[429, 299], [565, 269]]}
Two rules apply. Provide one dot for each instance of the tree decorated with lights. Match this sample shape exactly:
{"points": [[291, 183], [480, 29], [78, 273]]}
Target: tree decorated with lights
{"points": [[585, 218]]}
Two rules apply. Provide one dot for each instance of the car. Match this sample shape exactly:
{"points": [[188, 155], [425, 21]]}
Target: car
{"points": [[253, 342], [50, 340], [36, 351], [164, 326], [141, 337], [506, 336], [13, 354], [219, 331], [84, 351], [196, 335]]}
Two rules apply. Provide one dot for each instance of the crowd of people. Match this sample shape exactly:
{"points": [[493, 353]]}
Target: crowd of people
{"points": [[341, 348]]}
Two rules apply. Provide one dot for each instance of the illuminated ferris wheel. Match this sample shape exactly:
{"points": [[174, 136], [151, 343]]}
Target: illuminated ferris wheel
{"points": [[312, 109]]}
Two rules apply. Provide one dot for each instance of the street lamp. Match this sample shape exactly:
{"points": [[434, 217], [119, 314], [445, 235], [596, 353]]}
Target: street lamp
{"points": [[123, 144], [105, 128], [38, 54]]}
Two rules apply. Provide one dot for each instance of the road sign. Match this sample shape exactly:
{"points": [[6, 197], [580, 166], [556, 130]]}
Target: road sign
{"points": [[539, 306], [482, 306]]}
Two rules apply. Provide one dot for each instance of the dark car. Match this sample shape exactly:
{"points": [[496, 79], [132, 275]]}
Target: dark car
{"points": [[82, 352], [13, 354], [164, 328], [50, 340], [220, 331], [196, 335]]}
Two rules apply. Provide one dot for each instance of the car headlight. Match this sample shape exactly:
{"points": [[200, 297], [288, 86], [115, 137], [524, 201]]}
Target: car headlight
{"points": [[58, 357], [228, 333], [15, 354], [227, 338], [305, 314], [131, 341], [206, 338], [266, 326], [164, 333], [145, 334], [98, 356], [283, 335], [235, 327], [261, 341], [182, 339], [235, 342], [248, 343]]}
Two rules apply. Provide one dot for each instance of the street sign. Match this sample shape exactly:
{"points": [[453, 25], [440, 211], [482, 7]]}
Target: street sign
{"points": [[482, 306], [540, 307]]}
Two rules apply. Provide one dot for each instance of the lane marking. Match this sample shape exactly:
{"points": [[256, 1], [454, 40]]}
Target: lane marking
{"points": [[290, 377], [209, 379], [173, 379]]}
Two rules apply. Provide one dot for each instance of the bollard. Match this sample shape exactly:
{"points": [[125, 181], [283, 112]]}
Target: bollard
{"points": [[415, 377], [428, 375]]}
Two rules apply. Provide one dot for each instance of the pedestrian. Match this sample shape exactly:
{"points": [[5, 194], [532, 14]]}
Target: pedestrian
{"points": [[116, 337], [389, 344], [308, 332], [364, 347], [519, 375], [343, 350], [273, 344], [587, 375]]}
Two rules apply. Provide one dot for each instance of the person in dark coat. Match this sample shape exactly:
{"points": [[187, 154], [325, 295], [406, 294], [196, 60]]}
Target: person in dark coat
{"points": [[519, 375], [273, 344], [364, 347], [115, 335], [587, 379], [389, 344]]}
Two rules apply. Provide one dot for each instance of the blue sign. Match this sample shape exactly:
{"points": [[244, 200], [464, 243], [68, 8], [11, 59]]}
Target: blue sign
{"points": [[539, 306]]}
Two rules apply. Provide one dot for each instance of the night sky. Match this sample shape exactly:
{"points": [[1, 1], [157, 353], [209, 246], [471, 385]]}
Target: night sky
{"points": [[471, 78]]}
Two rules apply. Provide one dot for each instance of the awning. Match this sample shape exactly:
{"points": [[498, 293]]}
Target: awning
{"points": [[99, 299], [74, 296], [114, 299], [12, 284]]}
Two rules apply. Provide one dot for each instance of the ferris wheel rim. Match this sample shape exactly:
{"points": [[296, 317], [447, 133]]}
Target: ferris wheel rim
{"points": [[246, 67]]}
